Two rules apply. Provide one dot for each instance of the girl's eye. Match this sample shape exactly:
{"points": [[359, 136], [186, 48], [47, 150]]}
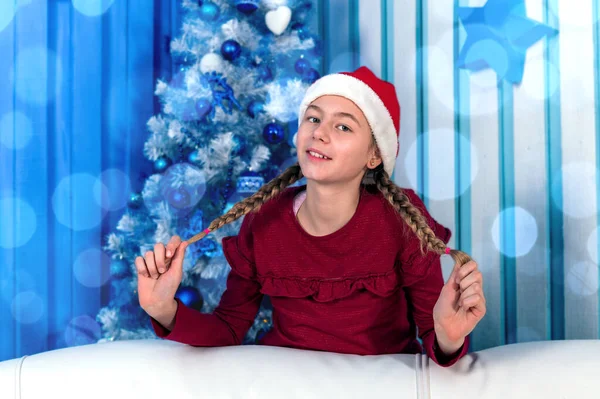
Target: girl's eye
{"points": [[316, 120]]}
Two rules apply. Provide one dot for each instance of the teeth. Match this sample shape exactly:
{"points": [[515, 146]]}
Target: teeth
{"points": [[314, 154]]}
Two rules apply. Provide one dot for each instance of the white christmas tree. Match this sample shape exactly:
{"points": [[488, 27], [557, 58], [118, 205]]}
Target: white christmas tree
{"points": [[229, 116]]}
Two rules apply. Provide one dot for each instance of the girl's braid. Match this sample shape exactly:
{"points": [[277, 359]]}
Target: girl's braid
{"points": [[255, 201]]}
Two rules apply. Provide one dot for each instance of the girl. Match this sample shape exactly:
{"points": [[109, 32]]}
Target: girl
{"points": [[342, 258]]}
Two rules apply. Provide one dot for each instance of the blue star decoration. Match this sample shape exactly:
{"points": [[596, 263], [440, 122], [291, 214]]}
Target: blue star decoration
{"points": [[498, 36]]}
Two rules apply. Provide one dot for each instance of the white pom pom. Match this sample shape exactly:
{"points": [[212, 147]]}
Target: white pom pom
{"points": [[211, 62]]}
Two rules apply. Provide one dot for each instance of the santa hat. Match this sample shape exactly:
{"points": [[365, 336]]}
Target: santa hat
{"points": [[375, 97]]}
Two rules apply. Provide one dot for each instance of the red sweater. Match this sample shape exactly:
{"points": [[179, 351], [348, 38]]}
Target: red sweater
{"points": [[364, 289]]}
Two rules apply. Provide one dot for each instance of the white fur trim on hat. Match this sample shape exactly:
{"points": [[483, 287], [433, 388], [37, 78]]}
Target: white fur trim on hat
{"points": [[368, 101]]}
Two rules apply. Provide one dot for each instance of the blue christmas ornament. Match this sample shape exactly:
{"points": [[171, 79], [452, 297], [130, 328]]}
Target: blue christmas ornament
{"points": [[231, 50], [203, 108], [119, 268], [303, 34], [209, 11], [264, 73], [301, 66], [161, 164], [135, 200], [246, 6], [498, 36], [220, 91], [273, 133], [254, 108], [310, 76], [193, 157], [190, 296], [179, 198], [249, 182]]}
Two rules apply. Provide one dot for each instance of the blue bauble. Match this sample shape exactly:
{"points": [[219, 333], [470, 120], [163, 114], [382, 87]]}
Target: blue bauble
{"points": [[231, 50], [179, 198], [303, 33], [190, 297], [193, 157], [264, 73], [246, 6], [248, 183], [161, 164], [203, 108], [273, 133], [135, 200], [254, 108], [310, 76], [302, 65], [209, 11], [119, 268]]}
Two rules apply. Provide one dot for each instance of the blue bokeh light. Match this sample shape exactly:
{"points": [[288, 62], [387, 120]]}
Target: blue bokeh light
{"points": [[8, 9], [525, 232], [19, 222], [74, 202], [112, 190], [82, 330], [27, 307], [17, 122], [92, 268], [441, 163], [92, 8], [30, 75]]}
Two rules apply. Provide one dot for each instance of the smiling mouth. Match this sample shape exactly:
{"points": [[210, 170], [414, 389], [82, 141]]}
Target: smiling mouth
{"points": [[317, 155]]}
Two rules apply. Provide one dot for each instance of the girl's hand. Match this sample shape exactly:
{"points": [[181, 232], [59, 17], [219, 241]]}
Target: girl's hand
{"points": [[159, 275], [461, 304]]}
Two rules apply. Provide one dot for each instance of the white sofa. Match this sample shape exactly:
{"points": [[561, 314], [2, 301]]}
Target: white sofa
{"points": [[164, 369]]}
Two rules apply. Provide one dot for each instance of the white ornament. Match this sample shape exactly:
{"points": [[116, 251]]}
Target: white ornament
{"points": [[211, 62], [294, 139], [278, 20]]}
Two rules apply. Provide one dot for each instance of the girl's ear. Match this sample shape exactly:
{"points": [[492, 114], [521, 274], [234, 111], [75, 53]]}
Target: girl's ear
{"points": [[375, 159]]}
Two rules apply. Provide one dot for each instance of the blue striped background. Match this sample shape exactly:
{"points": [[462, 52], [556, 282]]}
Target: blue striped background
{"points": [[104, 82], [97, 121]]}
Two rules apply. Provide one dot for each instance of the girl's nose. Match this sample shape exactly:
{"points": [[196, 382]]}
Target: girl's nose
{"points": [[321, 133]]}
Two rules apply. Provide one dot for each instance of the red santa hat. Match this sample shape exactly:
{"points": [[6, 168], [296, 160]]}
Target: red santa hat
{"points": [[375, 97]]}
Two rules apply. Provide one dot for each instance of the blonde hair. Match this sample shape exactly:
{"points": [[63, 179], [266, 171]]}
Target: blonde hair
{"points": [[392, 193]]}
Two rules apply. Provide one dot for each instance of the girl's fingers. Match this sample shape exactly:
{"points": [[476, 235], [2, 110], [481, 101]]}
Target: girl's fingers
{"points": [[179, 256], [159, 257], [172, 245], [474, 289], [469, 280], [140, 265], [474, 301], [465, 270], [151, 264]]}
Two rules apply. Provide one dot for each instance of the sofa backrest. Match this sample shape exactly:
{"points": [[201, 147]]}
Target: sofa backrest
{"points": [[162, 369]]}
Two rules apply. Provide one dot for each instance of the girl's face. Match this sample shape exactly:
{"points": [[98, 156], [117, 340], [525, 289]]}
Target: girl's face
{"points": [[335, 128]]}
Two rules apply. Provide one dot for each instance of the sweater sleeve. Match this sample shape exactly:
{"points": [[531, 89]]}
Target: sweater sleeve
{"points": [[237, 309], [422, 295], [423, 281]]}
